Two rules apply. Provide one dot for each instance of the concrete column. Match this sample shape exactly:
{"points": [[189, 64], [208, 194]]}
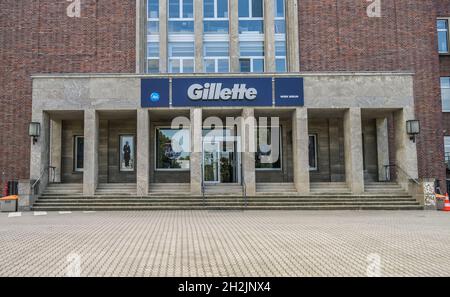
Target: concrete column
{"points": [[163, 57], [405, 149], [198, 31], [293, 51], [248, 149], [143, 151], [196, 151], [354, 171], [234, 36], [39, 156], [55, 150], [382, 147], [141, 31], [335, 154], [300, 147], [90, 171], [269, 36]]}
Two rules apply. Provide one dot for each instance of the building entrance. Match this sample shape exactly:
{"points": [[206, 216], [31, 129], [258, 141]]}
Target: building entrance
{"points": [[221, 162]]}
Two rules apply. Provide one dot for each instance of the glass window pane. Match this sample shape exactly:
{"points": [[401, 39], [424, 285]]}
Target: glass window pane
{"points": [[208, 8], [174, 66], [442, 24], [443, 41], [258, 65], [220, 27], [243, 8], [445, 82], [153, 27], [312, 152], [181, 27], [223, 66], [445, 93], [181, 49], [153, 49], [188, 66], [174, 9], [280, 65], [188, 8], [257, 8], [251, 48], [244, 65], [264, 134], [216, 49], [210, 65], [280, 48], [222, 8], [280, 26], [153, 66], [79, 153], [170, 152], [279, 8], [251, 26], [153, 9]]}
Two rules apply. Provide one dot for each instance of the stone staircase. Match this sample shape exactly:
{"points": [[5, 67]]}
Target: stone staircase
{"points": [[116, 189], [276, 188], [165, 197], [329, 187]]}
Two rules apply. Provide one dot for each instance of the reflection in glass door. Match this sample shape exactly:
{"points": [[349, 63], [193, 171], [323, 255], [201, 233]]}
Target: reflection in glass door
{"points": [[211, 162], [220, 163]]}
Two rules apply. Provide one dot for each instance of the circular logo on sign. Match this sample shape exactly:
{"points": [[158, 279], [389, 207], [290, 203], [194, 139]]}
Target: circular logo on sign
{"points": [[154, 97]]}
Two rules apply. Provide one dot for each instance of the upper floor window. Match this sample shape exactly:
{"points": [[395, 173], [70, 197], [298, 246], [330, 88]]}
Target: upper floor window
{"points": [[280, 56], [216, 57], [181, 16], [445, 93], [251, 17], [251, 56], [215, 14], [280, 19], [181, 57], [443, 36], [153, 16], [153, 57]]}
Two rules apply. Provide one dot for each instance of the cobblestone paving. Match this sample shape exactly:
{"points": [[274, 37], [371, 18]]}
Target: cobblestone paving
{"points": [[208, 243]]}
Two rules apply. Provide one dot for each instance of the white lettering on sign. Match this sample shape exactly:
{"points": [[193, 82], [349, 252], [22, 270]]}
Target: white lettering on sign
{"points": [[214, 91], [74, 9]]}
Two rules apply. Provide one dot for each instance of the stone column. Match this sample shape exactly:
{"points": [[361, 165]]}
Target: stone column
{"points": [[39, 157], [335, 154], [382, 147], [143, 151], [198, 31], [141, 31], [300, 147], [293, 51], [196, 151], [55, 150], [405, 149], [354, 171], [234, 36], [248, 149], [163, 57], [269, 35], [90, 170]]}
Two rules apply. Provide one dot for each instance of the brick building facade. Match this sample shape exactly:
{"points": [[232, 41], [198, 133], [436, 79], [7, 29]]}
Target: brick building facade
{"points": [[38, 37]]}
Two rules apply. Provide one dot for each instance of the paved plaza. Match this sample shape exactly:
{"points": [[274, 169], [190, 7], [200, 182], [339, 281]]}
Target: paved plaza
{"points": [[220, 243]]}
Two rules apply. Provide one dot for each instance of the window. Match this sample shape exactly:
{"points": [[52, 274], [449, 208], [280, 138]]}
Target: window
{"points": [[181, 16], [265, 149], [153, 57], [251, 16], [251, 56], [313, 152], [443, 36], [181, 57], [215, 13], [447, 149], [280, 19], [445, 93], [78, 153], [216, 57], [280, 56], [152, 16], [172, 149]]}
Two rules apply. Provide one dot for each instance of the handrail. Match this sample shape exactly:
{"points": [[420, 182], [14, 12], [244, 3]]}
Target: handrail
{"points": [[244, 186], [388, 177], [203, 183], [38, 180]]}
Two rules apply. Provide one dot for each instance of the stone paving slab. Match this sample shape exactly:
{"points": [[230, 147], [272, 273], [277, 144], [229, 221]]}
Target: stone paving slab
{"points": [[226, 243]]}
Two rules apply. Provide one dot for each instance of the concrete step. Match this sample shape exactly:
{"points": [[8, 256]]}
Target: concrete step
{"points": [[275, 188], [309, 207]]}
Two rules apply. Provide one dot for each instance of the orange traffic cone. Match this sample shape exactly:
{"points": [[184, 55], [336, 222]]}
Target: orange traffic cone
{"points": [[447, 203]]}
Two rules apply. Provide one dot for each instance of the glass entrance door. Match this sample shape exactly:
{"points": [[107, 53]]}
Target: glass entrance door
{"points": [[220, 162]]}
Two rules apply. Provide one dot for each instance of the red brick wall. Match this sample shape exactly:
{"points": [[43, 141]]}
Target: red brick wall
{"points": [[338, 36], [38, 37]]}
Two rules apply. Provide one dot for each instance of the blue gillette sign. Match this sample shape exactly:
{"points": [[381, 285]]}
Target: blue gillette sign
{"points": [[211, 92], [222, 92], [155, 92]]}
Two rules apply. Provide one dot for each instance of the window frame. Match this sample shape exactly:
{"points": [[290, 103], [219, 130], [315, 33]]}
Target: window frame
{"points": [[75, 154], [281, 149], [181, 59], [316, 159], [156, 150], [441, 88], [448, 35]]}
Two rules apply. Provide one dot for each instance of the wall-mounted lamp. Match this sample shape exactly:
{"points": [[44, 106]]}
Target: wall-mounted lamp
{"points": [[413, 129], [34, 131]]}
